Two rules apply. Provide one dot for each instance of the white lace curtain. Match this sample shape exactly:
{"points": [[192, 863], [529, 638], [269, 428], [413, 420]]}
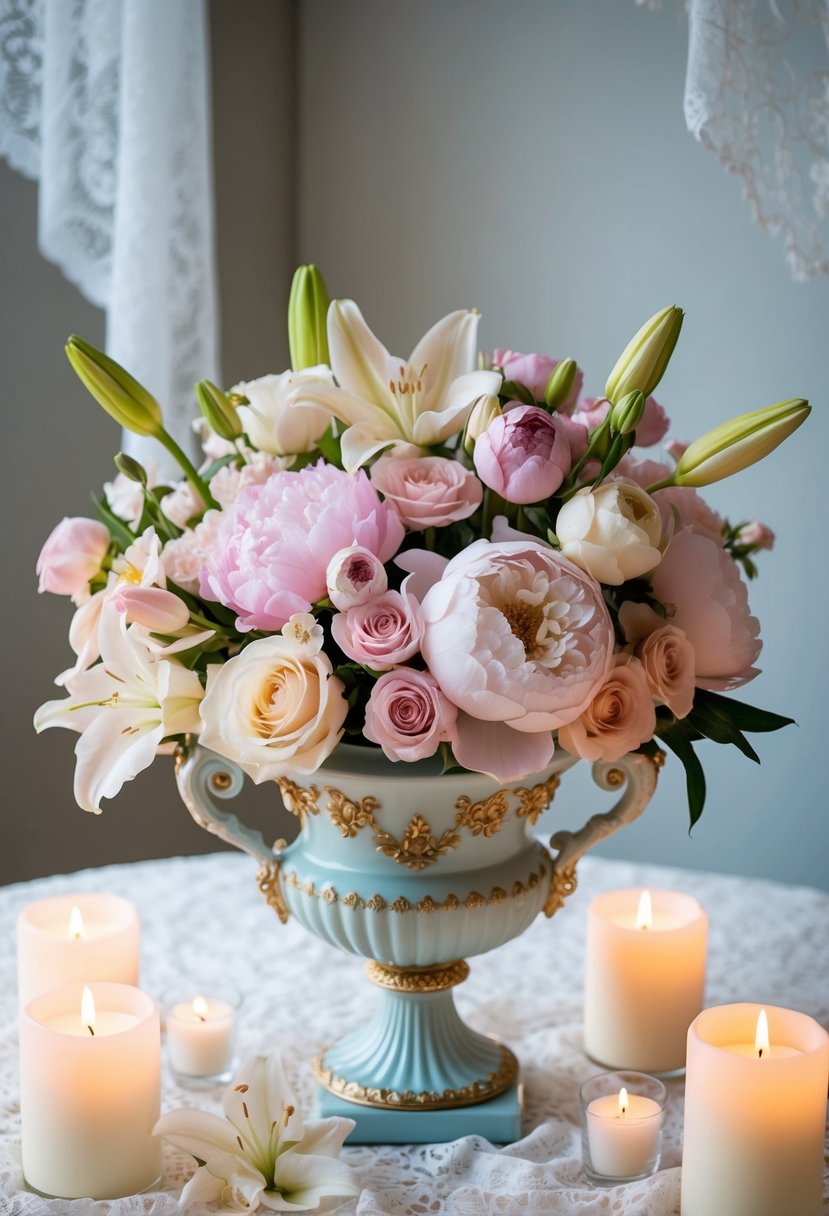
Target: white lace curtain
{"points": [[106, 104]]}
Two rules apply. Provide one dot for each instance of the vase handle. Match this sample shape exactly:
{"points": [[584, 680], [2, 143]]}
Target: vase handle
{"points": [[637, 772], [201, 776]]}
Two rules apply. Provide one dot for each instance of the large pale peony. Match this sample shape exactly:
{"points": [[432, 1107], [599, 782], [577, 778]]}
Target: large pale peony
{"points": [[520, 640], [612, 532], [268, 557], [276, 708], [700, 586]]}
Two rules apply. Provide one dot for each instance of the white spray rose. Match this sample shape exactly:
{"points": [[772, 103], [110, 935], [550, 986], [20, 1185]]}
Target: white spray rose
{"points": [[612, 532], [354, 576], [278, 420]]}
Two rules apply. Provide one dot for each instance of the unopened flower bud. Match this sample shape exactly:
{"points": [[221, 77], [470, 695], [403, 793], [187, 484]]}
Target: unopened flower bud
{"points": [[354, 576], [119, 393], [642, 363], [130, 467], [218, 410], [741, 442], [483, 411], [307, 319], [627, 413], [156, 609], [560, 383]]}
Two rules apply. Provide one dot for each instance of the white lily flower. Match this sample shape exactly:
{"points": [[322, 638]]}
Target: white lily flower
{"points": [[261, 1153], [408, 404], [123, 707]]}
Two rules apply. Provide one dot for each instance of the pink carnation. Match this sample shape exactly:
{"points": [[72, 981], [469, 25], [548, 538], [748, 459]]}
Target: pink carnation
{"points": [[427, 491], [524, 454], [382, 633], [408, 715], [273, 545], [533, 371]]}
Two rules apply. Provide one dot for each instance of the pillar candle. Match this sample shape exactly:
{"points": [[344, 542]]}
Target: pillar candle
{"points": [[89, 1101], [56, 946], [643, 985], [754, 1123]]}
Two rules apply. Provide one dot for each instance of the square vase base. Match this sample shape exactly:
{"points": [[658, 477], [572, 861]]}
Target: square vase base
{"points": [[498, 1120]]}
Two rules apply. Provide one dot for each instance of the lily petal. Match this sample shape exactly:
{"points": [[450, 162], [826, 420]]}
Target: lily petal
{"points": [[203, 1187], [448, 350], [359, 360], [114, 749], [304, 1178], [196, 1132], [326, 1138], [359, 443]]}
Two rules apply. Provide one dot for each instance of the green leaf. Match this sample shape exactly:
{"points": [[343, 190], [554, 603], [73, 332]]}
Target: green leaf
{"points": [[715, 724], [745, 717], [118, 530], [329, 445], [676, 738]]}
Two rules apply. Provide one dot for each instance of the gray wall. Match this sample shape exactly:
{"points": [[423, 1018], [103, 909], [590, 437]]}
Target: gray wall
{"points": [[529, 158]]}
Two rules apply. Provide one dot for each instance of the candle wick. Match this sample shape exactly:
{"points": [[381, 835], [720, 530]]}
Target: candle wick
{"points": [[91, 1030], [759, 1053], [201, 1017]]}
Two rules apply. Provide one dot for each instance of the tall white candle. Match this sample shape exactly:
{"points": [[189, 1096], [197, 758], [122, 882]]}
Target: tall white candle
{"points": [[200, 1036], [90, 1092], [76, 938], [754, 1121], [644, 980]]}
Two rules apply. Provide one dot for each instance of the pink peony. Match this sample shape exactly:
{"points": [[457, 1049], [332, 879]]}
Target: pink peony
{"points": [[653, 425], [185, 556], [618, 719], [591, 412], [273, 545], [520, 640], [427, 491], [354, 576], [533, 371], [408, 715], [679, 506], [71, 556], [382, 633], [676, 448], [700, 586], [524, 455], [228, 483]]}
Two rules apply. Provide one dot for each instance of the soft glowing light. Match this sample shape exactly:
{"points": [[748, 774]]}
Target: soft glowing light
{"points": [[644, 913], [88, 1010], [200, 1008], [624, 1101], [761, 1038], [77, 931]]}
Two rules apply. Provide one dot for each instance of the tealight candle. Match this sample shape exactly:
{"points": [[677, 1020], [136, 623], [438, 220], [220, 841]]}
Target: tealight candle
{"points": [[622, 1116], [76, 938], [90, 1090], [755, 1112], [201, 1037], [644, 977]]}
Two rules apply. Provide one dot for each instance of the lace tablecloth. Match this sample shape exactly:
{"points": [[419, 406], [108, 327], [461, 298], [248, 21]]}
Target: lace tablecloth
{"points": [[204, 915]]}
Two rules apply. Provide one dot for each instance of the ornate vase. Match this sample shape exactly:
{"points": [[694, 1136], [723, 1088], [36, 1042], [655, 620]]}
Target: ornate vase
{"points": [[415, 870]]}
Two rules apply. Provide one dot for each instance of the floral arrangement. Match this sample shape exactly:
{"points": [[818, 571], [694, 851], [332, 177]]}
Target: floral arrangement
{"points": [[446, 554]]}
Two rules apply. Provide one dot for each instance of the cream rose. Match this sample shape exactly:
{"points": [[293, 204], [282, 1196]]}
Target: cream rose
{"points": [[276, 708], [612, 532], [618, 719], [278, 419]]}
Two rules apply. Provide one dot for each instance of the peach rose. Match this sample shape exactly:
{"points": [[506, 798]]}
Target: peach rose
{"points": [[668, 661], [618, 719]]}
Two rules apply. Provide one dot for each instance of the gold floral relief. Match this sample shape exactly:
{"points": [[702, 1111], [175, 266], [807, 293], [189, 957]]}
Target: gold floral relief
{"points": [[299, 800], [564, 883], [267, 880], [485, 817], [533, 802], [350, 816], [418, 848], [402, 905]]}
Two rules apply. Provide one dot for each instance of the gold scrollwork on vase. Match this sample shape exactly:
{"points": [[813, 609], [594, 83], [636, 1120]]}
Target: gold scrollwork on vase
{"points": [[418, 848], [534, 801], [401, 905], [418, 979], [563, 884], [268, 882], [299, 800], [482, 818], [350, 816]]}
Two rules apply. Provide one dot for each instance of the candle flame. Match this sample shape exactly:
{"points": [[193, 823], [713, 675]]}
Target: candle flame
{"points": [[644, 913], [200, 1008], [77, 930], [88, 1010], [624, 1101], [761, 1038]]}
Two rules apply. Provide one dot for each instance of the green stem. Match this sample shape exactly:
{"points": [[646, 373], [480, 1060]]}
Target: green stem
{"points": [[661, 485], [595, 438], [190, 472], [429, 537]]}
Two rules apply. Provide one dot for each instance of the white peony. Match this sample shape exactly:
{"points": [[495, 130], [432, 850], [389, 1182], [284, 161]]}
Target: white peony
{"points": [[612, 532], [277, 421]]}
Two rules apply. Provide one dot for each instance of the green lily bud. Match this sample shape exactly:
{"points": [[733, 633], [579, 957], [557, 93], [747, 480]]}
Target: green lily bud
{"points": [[123, 398], [307, 316], [483, 411], [735, 445], [560, 383], [642, 363], [131, 468], [627, 413], [218, 410]]}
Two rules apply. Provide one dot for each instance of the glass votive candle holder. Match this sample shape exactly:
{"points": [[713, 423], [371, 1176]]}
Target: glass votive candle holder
{"points": [[200, 1028], [622, 1114]]}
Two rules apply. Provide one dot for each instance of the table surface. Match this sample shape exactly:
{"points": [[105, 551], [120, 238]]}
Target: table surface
{"points": [[203, 916]]}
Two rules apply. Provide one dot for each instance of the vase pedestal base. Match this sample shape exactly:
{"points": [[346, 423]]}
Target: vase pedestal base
{"points": [[498, 1120]]}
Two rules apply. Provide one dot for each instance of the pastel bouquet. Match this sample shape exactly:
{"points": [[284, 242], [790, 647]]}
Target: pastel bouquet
{"points": [[447, 554]]}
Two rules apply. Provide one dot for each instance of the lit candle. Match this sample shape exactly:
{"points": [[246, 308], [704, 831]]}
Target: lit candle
{"points": [[90, 1091], [755, 1112], [76, 938], [622, 1126], [200, 1037], [644, 977]]}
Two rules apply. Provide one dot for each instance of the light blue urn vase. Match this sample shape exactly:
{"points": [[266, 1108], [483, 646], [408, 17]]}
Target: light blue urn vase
{"points": [[416, 871]]}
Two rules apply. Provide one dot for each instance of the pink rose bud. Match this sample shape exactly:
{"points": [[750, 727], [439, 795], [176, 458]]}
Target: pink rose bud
{"points": [[71, 556], [534, 371], [383, 633], [756, 534], [524, 455], [408, 715], [354, 576], [653, 426], [676, 448], [156, 609]]}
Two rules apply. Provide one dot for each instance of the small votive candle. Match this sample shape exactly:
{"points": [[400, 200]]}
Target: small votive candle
{"points": [[644, 978], [76, 939], [622, 1114], [201, 1036], [755, 1113], [90, 1091]]}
